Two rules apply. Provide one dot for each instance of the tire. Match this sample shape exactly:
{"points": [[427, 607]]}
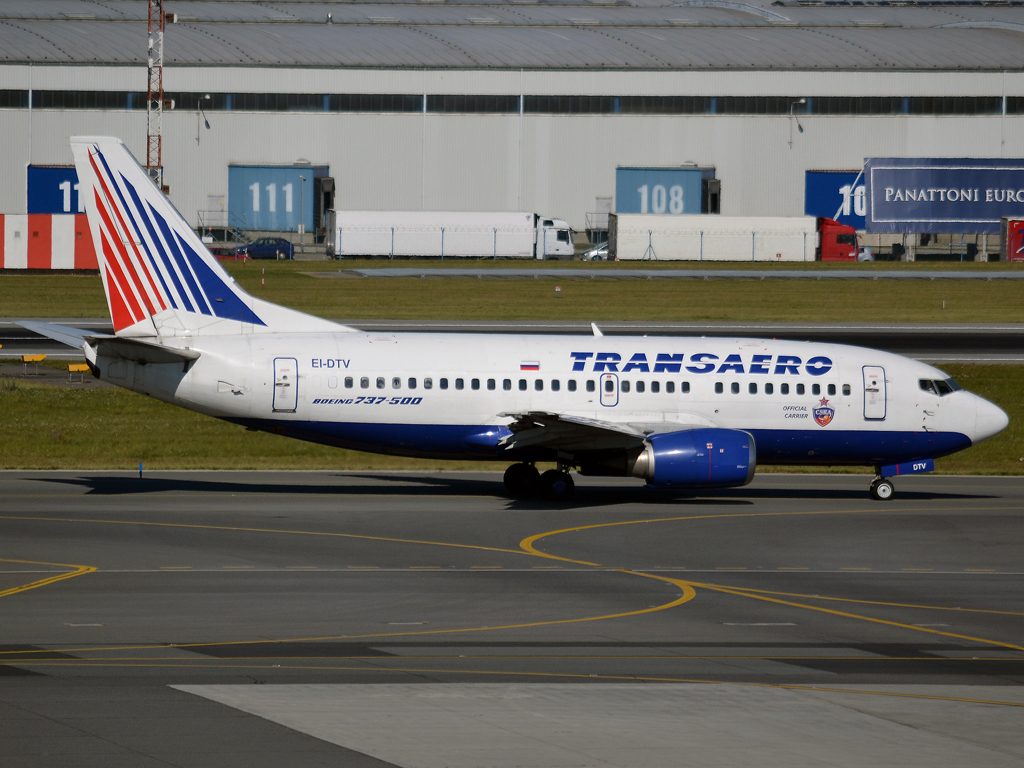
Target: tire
{"points": [[521, 480], [556, 486], [882, 490]]}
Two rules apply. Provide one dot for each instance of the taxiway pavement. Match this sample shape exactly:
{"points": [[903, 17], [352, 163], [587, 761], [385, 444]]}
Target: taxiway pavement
{"points": [[422, 619]]}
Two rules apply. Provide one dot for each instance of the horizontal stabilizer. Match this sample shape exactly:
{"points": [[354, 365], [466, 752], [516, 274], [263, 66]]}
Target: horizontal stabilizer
{"points": [[140, 351], [73, 337]]}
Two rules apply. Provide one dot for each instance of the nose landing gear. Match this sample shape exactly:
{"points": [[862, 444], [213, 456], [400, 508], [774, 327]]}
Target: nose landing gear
{"points": [[881, 489]]}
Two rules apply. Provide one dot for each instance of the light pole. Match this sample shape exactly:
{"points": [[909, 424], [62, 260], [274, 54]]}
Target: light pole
{"points": [[199, 110], [793, 117], [302, 212]]}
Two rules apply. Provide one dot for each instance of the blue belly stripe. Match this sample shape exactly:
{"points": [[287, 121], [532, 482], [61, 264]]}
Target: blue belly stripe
{"points": [[468, 442]]}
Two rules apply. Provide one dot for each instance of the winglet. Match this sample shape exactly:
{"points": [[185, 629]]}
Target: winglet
{"points": [[597, 331]]}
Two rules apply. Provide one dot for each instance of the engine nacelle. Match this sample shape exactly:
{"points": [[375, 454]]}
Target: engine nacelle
{"points": [[698, 458]]}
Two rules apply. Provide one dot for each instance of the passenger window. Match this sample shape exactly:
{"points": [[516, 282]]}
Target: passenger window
{"points": [[491, 384], [655, 387], [572, 385], [685, 387], [555, 385], [332, 382], [474, 383], [412, 383], [624, 386], [442, 383], [396, 383], [506, 384], [460, 384], [752, 388], [815, 389], [364, 383], [609, 386], [538, 384], [348, 382], [735, 387], [590, 385], [719, 388], [846, 389], [799, 389], [769, 388], [639, 386], [380, 382], [831, 389], [784, 388], [522, 385], [428, 383], [670, 387]]}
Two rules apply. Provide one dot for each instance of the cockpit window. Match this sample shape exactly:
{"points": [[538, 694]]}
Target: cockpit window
{"points": [[940, 387]]}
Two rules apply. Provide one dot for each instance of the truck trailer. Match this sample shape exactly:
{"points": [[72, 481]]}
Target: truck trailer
{"points": [[446, 234], [694, 237]]}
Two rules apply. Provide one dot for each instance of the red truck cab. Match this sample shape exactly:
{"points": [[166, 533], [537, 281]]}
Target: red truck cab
{"points": [[836, 242]]}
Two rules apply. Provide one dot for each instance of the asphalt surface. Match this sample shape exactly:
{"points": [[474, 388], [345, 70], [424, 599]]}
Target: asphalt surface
{"points": [[422, 619], [963, 342]]}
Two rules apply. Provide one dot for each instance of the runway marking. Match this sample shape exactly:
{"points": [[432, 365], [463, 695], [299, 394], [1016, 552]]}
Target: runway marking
{"points": [[528, 545], [874, 602], [854, 569], [175, 567], [79, 570], [377, 668], [240, 529]]}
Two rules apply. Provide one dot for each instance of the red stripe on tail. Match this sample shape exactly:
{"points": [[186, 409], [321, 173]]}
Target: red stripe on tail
{"points": [[123, 253], [128, 261], [118, 311], [120, 283]]}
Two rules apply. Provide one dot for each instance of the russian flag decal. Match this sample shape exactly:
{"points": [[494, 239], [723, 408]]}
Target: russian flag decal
{"points": [[529, 365]]}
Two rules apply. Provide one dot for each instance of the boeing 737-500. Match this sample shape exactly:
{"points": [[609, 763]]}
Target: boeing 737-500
{"points": [[679, 413]]}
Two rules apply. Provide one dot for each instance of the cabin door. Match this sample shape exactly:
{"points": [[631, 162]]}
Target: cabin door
{"points": [[874, 393], [609, 390], [286, 380]]}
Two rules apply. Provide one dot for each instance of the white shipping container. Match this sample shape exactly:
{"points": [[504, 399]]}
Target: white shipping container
{"points": [[446, 234], [711, 237]]}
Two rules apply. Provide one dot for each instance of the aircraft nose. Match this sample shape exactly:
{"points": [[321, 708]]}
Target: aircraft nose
{"points": [[990, 420]]}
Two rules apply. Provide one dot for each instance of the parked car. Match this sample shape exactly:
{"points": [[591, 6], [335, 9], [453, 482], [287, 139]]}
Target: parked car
{"points": [[597, 253], [269, 248]]}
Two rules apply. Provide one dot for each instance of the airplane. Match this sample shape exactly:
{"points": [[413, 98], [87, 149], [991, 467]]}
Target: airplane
{"points": [[680, 413]]}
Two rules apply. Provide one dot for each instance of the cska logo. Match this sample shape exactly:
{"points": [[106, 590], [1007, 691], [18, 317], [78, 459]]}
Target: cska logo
{"points": [[823, 413]]}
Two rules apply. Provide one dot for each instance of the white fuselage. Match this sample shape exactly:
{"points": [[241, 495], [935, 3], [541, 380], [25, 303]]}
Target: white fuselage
{"points": [[422, 394]]}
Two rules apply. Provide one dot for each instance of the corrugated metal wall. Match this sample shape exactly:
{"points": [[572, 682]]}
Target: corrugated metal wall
{"points": [[555, 164]]}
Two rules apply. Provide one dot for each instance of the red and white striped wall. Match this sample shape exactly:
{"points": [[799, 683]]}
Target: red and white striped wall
{"points": [[46, 241]]}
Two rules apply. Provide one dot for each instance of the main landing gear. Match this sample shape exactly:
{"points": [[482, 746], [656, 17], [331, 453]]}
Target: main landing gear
{"points": [[881, 489], [523, 481]]}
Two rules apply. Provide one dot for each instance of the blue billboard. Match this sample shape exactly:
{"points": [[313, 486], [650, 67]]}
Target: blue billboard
{"points": [[657, 190], [53, 189], [942, 195], [826, 192], [269, 197]]}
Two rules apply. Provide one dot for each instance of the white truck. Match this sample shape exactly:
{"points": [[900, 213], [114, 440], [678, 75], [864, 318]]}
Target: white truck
{"points": [[445, 234], [710, 237]]}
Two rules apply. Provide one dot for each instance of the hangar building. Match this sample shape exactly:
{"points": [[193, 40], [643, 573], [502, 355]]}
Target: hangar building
{"points": [[517, 104]]}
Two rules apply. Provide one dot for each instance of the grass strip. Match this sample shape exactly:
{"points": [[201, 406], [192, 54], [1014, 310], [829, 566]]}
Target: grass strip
{"points": [[287, 283], [45, 427]]}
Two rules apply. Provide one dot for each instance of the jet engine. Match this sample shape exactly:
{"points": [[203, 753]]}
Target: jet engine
{"points": [[697, 458]]}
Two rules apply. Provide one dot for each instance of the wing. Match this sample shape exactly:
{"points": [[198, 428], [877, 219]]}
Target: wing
{"points": [[578, 434]]}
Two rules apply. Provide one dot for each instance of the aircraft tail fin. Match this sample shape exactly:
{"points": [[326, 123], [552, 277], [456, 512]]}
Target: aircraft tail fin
{"points": [[158, 276]]}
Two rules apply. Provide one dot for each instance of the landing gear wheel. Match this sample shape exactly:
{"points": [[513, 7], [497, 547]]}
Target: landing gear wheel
{"points": [[881, 489], [556, 486], [521, 480]]}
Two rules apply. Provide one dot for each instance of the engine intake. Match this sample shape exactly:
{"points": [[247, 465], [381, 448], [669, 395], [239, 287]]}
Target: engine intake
{"points": [[698, 458]]}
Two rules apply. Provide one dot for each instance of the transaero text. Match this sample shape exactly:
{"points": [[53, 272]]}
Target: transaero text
{"points": [[701, 362]]}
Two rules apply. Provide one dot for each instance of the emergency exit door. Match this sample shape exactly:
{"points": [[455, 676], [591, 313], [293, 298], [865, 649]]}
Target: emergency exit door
{"points": [[609, 389], [874, 393], [286, 380]]}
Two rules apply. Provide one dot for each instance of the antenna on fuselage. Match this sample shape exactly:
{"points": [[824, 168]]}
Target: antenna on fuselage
{"points": [[597, 331]]}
